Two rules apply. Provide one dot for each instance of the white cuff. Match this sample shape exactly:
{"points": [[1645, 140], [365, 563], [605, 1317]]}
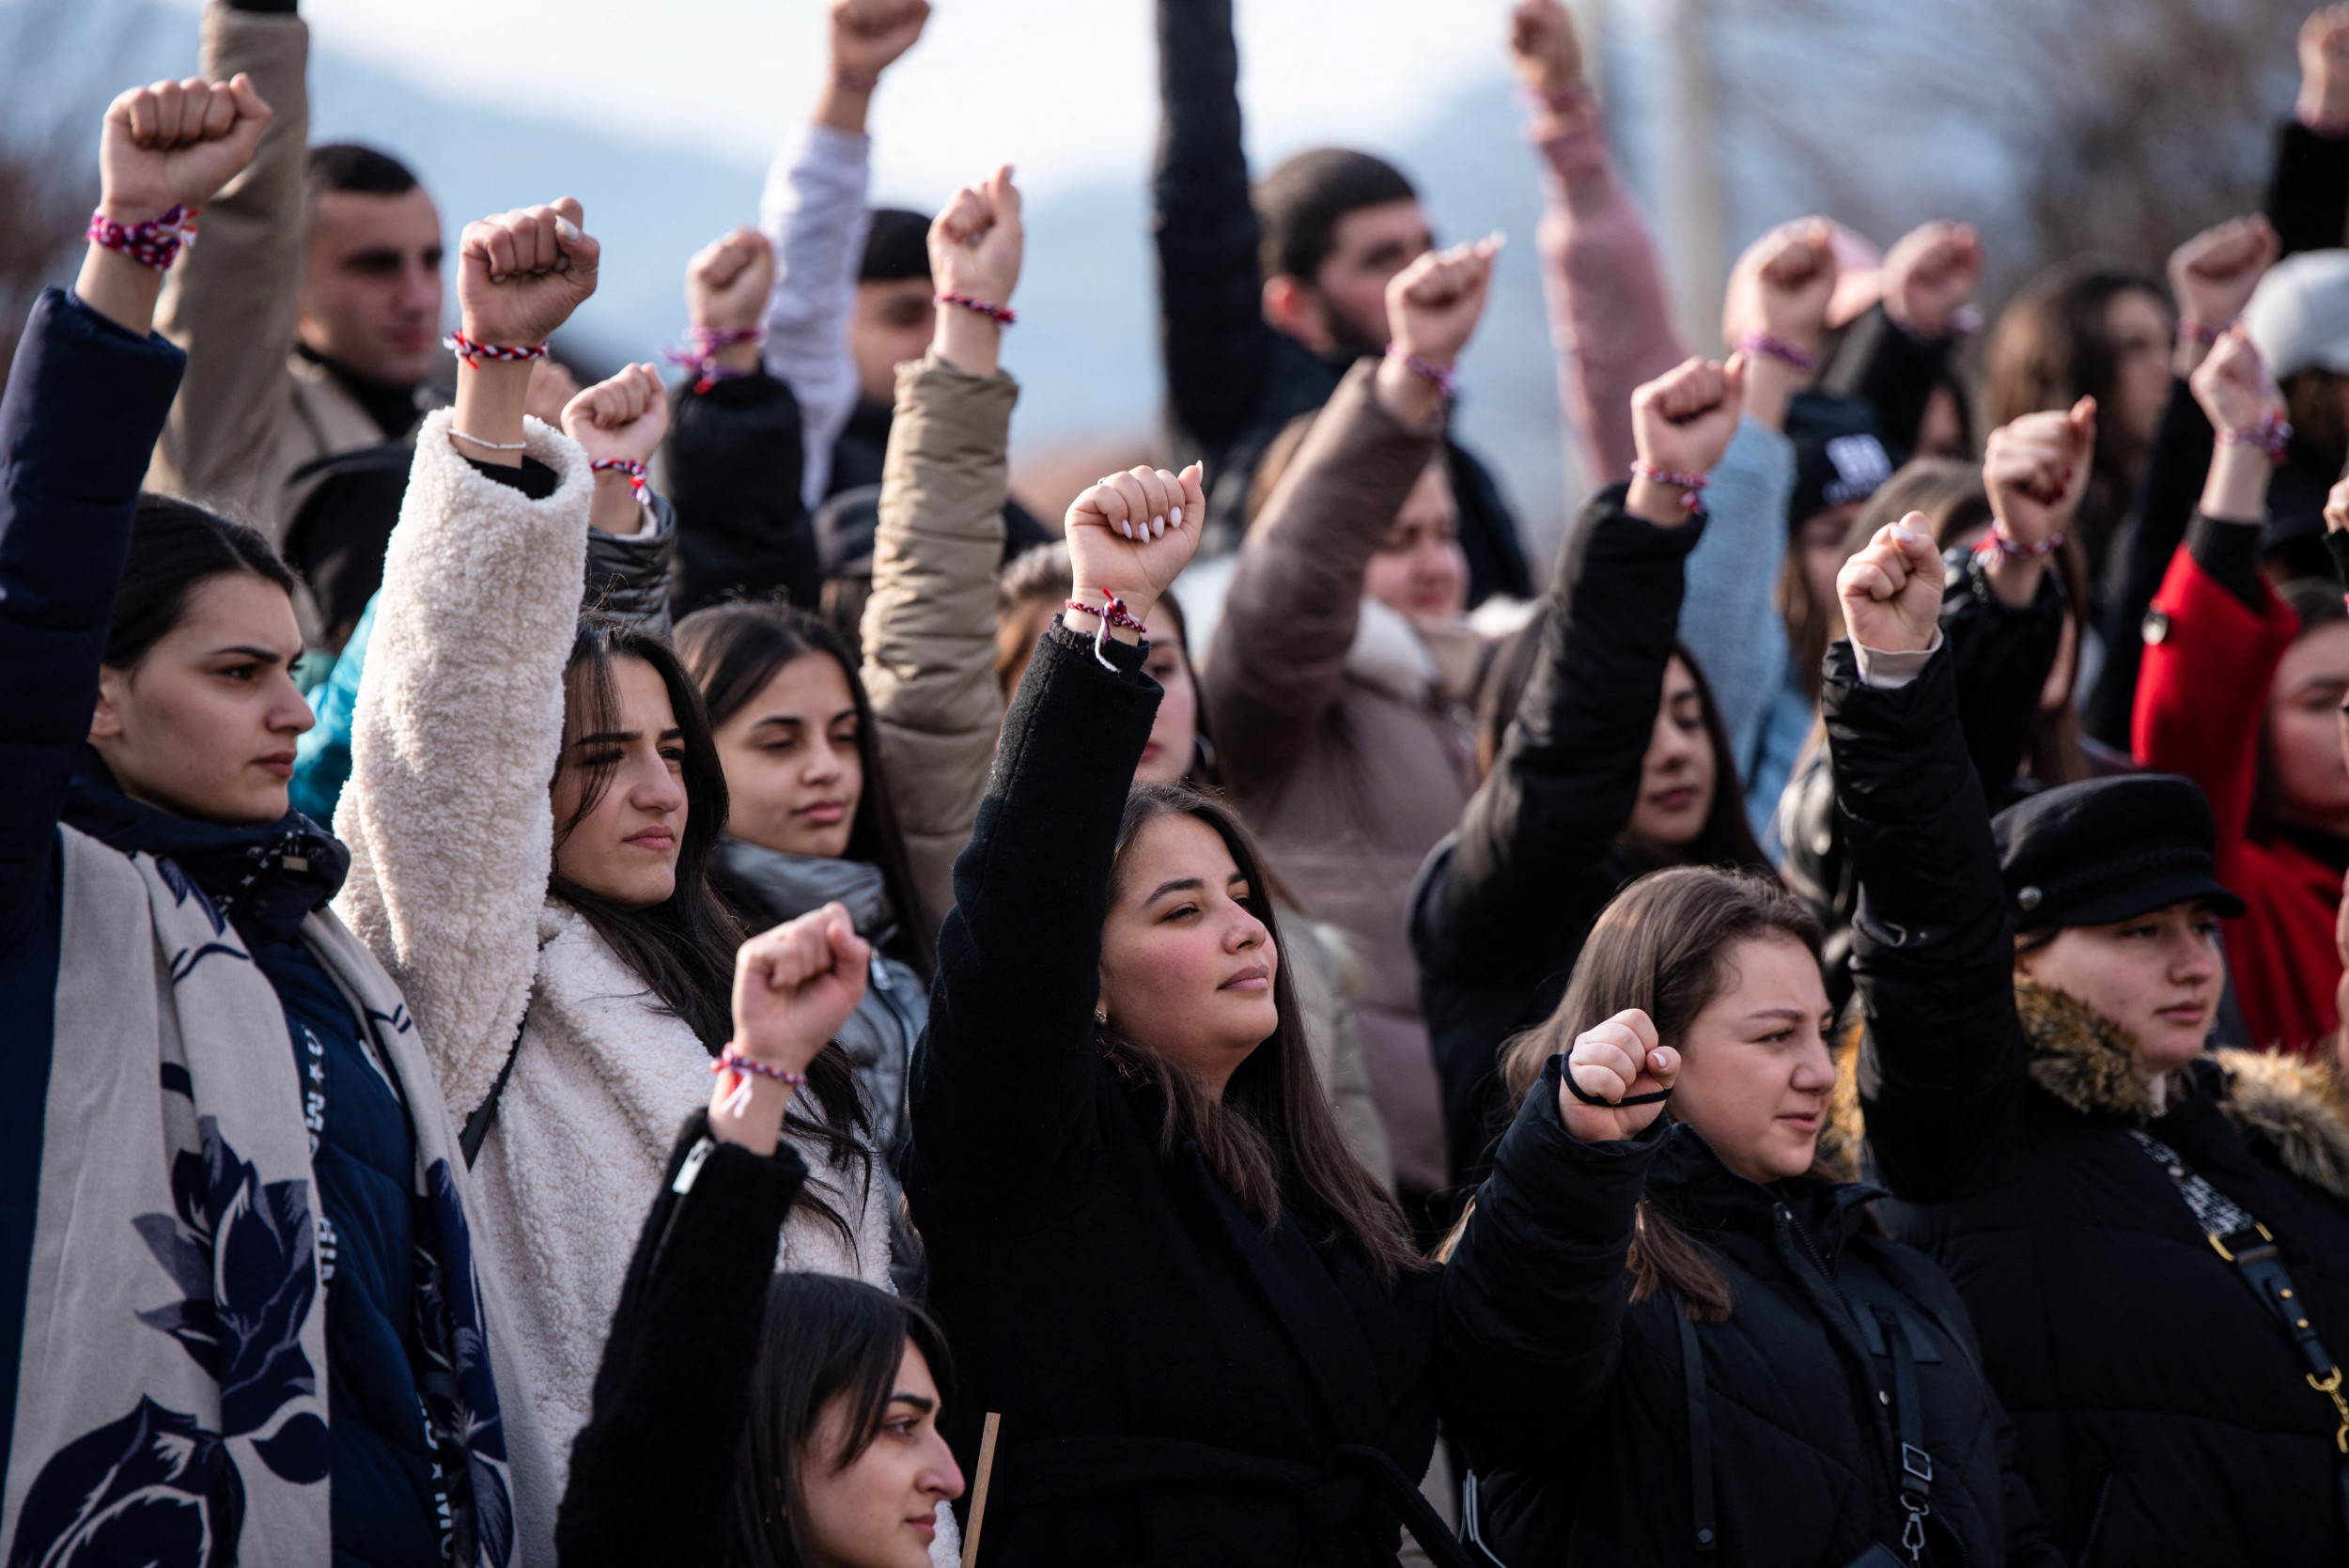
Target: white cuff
{"points": [[1889, 672]]}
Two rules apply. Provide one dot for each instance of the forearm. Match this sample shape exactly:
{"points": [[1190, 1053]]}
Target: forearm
{"points": [[1893, 370], [2307, 191], [2174, 473], [2003, 654], [1729, 617]]}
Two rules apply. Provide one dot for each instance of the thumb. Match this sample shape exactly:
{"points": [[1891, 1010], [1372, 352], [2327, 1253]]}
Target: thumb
{"points": [[1005, 195], [1194, 490], [1733, 382], [2084, 426], [250, 104]]}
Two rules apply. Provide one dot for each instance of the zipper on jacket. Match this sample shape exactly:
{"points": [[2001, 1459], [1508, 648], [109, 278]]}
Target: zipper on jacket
{"points": [[690, 1167]]}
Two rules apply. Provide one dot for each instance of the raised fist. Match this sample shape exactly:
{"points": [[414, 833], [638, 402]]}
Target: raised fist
{"points": [[795, 985], [1930, 275], [621, 419], [2234, 385], [1432, 304], [1130, 535], [2036, 471], [1616, 1061], [174, 144], [976, 241], [727, 282], [2324, 67], [1891, 589], [1681, 420], [2214, 273], [1781, 286], [2336, 521], [869, 36], [1544, 46], [520, 275]]}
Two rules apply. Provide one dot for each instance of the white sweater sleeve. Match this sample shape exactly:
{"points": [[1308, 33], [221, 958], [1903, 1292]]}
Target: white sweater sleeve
{"points": [[815, 215], [455, 733]]}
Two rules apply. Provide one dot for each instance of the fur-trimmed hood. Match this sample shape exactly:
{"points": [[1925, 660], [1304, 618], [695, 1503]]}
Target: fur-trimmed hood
{"points": [[2299, 1104]]}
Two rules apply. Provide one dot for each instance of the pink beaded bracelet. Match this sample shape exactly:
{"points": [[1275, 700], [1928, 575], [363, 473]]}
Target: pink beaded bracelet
{"points": [[1996, 543], [1427, 370], [1770, 347], [638, 475], [734, 1061], [155, 243], [2271, 435], [1002, 316], [1691, 485], [474, 353], [2202, 333]]}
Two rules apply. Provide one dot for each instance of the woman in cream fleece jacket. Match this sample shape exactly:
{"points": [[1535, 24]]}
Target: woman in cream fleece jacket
{"points": [[459, 729]]}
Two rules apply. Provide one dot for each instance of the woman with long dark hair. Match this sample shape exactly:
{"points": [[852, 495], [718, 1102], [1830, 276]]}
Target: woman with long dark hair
{"points": [[535, 801], [809, 819], [1683, 1334], [1614, 762], [237, 1244]]}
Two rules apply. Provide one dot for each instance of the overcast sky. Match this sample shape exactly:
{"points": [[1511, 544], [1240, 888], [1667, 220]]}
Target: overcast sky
{"points": [[1063, 88]]}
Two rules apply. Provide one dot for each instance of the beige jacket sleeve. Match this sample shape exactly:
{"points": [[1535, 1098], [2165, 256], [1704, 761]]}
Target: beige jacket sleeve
{"points": [[454, 736], [929, 627], [230, 300]]}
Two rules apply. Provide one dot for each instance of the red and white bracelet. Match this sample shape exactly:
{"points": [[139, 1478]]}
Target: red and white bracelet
{"points": [[1002, 316], [155, 243], [639, 477], [1427, 370], [1691, 485], [1113, 614], [2271, 435], [1770, 347], [474, 353]]}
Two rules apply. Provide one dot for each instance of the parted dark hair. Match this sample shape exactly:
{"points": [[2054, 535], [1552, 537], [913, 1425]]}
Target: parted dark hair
{"points": [[2318, 604], [897, 245], [1299, 203], [732, 651], [683, 948], [361, 170], [176, 546], [826, 1341], [1271, 1139], [1664, 946]]}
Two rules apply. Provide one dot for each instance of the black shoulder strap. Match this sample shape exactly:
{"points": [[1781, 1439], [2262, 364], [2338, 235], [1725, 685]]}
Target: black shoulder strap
{"points": [[476, 1129], [1700, 1429], [1908, 1411]]}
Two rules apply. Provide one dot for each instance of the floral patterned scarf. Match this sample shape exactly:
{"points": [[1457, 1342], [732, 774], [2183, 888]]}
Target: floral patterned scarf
{"points": [[173, 1406]]}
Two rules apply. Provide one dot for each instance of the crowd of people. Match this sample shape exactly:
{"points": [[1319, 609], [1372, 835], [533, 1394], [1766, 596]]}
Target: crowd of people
{"points": [[660, 972]]}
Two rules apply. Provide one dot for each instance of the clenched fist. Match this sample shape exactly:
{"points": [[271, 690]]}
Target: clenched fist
{"points": [[2036, 472], [795, 985], [1681, 423], [1130, 535], [727, 282], [621, 419], [975, 243], [522, 273], [1930, 275], [174, 144], [1621, 1059], [2214, 273], [1432, 304], [1781, 285], [1891, 589]]}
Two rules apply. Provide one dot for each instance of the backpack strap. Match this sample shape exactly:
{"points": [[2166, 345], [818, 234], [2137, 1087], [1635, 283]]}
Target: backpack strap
{"points": [[476, 1128], [1700, 1430]]}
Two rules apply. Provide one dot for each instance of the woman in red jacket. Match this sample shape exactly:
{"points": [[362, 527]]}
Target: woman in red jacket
{"points": [[2241, 692]]}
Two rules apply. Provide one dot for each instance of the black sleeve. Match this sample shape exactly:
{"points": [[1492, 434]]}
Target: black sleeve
{"points": [[2230, 552], [2308, 194], [1529, 863], [1878, 361], [652, 1472], [1529, 1327], [534, 478], [1000, 1092], [733, 464], [1217, 343], [2003, 655], [1944, 1073], [2166, 497], [2337, 545]]}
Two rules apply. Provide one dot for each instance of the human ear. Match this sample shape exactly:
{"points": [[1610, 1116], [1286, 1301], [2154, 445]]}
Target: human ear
{"points": [[1294, 306], [105, 722]]}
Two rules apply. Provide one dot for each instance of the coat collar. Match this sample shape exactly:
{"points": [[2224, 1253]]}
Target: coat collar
{"points": [[1690, 1184], [792, 885]]}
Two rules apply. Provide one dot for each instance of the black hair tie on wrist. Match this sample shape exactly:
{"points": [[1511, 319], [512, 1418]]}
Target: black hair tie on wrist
{"points": [[1565, 1074]]}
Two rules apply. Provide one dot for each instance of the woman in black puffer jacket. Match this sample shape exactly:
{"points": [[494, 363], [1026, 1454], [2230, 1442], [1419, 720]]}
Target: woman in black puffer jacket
{"points": [[2038, 991], [1719, 1356]]}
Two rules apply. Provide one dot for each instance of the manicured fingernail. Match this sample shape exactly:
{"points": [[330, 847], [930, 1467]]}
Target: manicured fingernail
{"points": [[1126, 528], [1157, 525], [1174, 518], [1905, 535]]}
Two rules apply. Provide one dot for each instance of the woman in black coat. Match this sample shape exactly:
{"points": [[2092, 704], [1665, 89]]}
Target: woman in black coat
{"points": [[1616, 763], [2119, 1209], [1680, 1339]]}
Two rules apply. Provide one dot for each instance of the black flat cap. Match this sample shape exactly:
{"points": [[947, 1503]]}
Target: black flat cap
{"points": [[2105, 849]]}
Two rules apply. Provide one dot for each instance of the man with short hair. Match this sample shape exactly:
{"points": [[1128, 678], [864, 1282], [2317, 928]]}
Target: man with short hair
{"points": [[1268, 296], [310, 305]]}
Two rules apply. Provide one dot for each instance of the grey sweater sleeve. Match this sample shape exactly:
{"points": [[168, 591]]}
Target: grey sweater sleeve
{"points": [[1729, 617]]}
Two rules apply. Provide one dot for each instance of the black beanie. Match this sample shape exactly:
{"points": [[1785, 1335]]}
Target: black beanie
{"points": [[896, 246]]}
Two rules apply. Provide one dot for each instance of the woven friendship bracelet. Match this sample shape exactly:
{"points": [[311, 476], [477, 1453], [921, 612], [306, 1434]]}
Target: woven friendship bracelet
{"points": [[1002, 316], [1996, 543], [1769, 347], [1113, 614], [741, 1066], [155, 243], [2271, 435], [1424, 368], [2203, 333], [1691, 485], [474, 353], [638, 475], [700, 354]]}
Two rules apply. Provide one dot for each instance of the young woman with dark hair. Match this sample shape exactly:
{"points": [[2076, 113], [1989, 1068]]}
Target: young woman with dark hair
{"points": [[2150, 1236], [1726, 1353], [552, 919], [236, 1240], [743, 1416], [1614, 763], [809, 818]]}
